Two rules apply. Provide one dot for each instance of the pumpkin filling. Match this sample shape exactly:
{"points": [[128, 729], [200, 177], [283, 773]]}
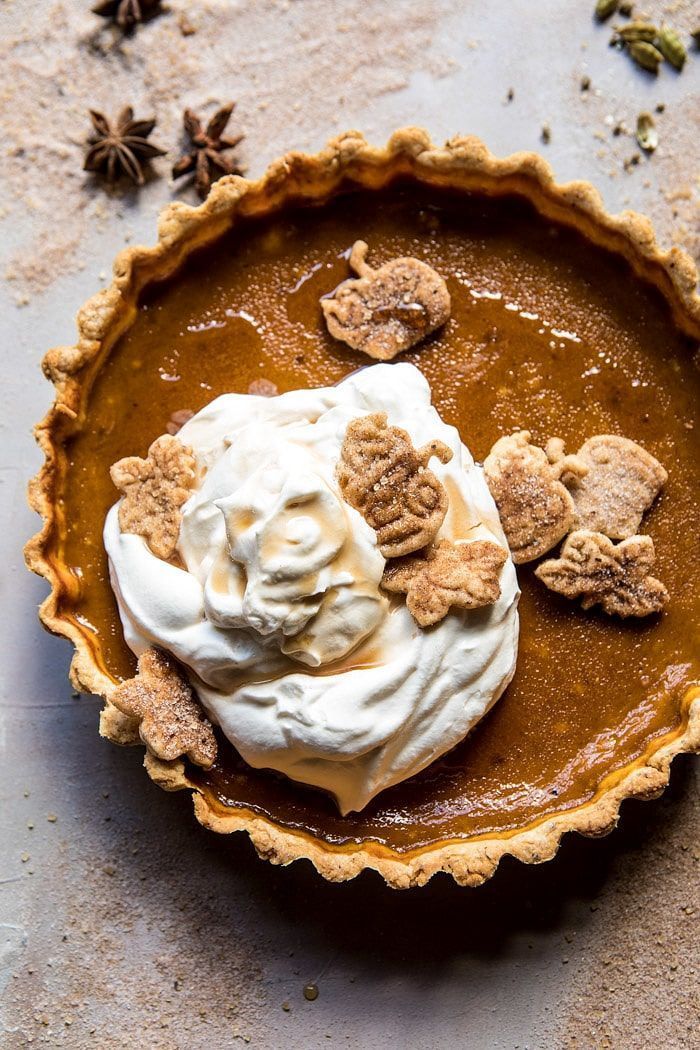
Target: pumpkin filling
{"points": [[547, 335], [309, 515]]}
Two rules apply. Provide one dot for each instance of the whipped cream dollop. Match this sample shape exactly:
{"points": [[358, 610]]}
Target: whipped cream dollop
{"points": [[275, 609]]}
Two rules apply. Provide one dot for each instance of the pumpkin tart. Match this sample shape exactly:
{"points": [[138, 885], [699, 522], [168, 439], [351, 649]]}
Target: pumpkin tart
{"points": [[564, 321]]}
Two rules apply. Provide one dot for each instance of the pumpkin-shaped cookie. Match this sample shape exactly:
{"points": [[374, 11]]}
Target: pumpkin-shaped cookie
{"points": [[384, 311]]}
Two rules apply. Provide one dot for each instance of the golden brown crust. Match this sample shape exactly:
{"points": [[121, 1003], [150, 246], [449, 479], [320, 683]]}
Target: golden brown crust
{"points": [[469, 862], [118, 727], [383, 476], [462, 163], [446, 575], [385, 311]]}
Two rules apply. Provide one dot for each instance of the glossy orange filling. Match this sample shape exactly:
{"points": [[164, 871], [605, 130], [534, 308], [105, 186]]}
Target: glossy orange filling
{"points": [[547, 333]]}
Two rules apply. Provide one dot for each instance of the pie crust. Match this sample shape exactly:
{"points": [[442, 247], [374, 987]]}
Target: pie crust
{"points": [[463, 163]]}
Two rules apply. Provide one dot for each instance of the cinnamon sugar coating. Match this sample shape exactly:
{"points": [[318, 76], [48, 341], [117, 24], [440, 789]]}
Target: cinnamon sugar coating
{"points": [[446, 575], [383, 476], [600, 572], [384, 311], [154, 490], [171, 722], [535, 508], [621, 483]]}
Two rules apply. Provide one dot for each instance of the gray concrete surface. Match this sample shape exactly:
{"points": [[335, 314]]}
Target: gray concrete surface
{"points": [[122, 923]]}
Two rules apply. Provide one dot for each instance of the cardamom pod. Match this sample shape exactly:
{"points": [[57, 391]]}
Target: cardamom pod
{"points": [[696, 36], [671, 47], [625, 9], [637, 31], [605, 8], [647, 135], [646, 55]]}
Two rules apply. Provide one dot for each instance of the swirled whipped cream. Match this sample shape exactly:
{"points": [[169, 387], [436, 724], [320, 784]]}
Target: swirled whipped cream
{"points": [[275, 609]]}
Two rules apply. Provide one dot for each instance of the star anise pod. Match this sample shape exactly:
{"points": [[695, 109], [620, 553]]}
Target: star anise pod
{"points": [[120, 147], [127, 13], [206, 159]]}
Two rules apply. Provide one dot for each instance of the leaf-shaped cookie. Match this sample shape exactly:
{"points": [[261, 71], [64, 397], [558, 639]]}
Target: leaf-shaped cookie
{"points": [[383, 476], [384, 311], [446, 575], [154, 490], [621, 483], [535, 508], [171, 721], [600, 572]]}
